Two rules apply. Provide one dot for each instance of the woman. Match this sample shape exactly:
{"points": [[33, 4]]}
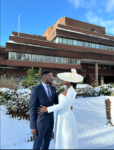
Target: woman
{"points": [[65, 127]]}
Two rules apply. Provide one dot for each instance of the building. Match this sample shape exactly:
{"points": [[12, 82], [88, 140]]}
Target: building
{"points": [[68, 44]]}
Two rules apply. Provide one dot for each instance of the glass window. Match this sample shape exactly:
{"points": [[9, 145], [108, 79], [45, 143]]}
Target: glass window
{"points": [[83, 44], [48, 59], [54, 59], [75, 42], [110, 48], [42, 58], [75, 61], [100, 46], [12, 55], [86, 44], [64, 41], [78, 61], [34, 57], [59, 40], [20, 56], [60, 60], [80, 43], [69, 41], [105, 47], [89, 44], [70, 60], [93, 45], [28, 57], [97, 46], [65, 60], [56, 40]]}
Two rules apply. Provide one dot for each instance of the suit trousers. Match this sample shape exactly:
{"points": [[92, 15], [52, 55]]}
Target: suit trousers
{"points": [[43, 136]]}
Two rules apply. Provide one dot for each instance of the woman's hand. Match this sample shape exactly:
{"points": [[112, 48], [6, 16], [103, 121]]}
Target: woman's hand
{"points": [[71, 107], [42, 109]]}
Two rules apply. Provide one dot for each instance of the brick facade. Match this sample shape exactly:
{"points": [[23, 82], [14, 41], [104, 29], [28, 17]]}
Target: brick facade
{"points": [[44, 45]]}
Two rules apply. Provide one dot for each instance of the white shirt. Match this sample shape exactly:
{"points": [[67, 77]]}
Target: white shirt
{"points": [[45, 87]]}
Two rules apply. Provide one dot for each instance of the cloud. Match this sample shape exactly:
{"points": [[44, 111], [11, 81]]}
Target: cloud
{"points": [[83, 3], [76, 3], [110, 6], [99, 12], [99, 5], [94, 19]]}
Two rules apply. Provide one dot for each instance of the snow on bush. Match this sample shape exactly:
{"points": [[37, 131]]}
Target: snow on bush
{"points": [[16, 101]]}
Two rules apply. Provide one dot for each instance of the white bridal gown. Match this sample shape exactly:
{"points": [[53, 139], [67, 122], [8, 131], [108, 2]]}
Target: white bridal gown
{"points": [[65, 135]]}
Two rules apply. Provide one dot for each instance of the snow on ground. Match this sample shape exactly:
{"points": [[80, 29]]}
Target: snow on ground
{"points": [[90, 114]]}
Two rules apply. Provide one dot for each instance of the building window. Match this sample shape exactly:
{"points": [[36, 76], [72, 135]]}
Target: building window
{"points": [[78, 61], [58, 40], [12, 55], [65, 60], [75, 61], [110, 48], [70, 60], [86, 44], [34, 57], [69, 41], [54, 59], [97, 46], [104, 47], [28, 57], [20, 56], [42, 58], [64, 41], [100, 46], [60, 60], [89, 44], [83, 44], [80, 43], [107, 47], [75, 42], [93, 45], [48, 59]]}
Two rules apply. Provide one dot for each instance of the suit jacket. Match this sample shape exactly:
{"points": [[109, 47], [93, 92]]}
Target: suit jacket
{"points": [[39, 97]]}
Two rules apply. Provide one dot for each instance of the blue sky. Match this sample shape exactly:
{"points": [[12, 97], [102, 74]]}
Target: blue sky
{"points": [[37, 15]]}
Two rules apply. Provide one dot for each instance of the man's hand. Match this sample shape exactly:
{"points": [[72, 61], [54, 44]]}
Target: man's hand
{"points": [[34, 131], [52, 136], [42, 109]]}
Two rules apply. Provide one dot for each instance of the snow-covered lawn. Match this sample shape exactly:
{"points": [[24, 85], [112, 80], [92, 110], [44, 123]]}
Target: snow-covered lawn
{"points": [[90, 114]]}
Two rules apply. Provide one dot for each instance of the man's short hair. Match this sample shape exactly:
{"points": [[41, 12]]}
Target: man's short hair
{"points": [[45, 72]]}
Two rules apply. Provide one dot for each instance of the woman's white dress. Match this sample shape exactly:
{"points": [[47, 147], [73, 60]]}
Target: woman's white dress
{"points": [[65, 128]]}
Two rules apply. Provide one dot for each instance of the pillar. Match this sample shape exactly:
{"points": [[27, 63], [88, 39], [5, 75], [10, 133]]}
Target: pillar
{"points": [[96, 72]]}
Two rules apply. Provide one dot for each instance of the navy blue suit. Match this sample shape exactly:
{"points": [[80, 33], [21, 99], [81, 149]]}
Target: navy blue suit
{"points": [[42, 122]]}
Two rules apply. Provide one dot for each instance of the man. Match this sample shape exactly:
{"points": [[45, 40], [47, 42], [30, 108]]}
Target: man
{"points": [[42, 124]]}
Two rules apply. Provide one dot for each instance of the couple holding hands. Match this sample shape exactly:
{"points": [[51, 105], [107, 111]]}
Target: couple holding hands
{"points": [[42, 100]]}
